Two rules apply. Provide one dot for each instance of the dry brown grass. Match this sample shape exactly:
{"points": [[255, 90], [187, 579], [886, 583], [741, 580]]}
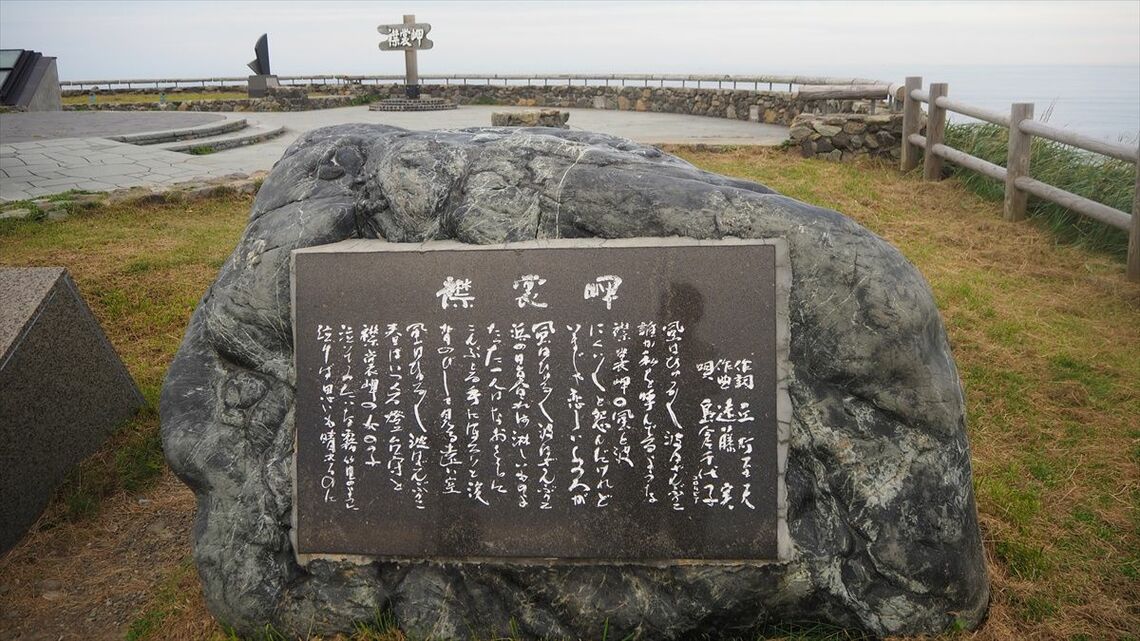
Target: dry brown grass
{"points": [[1047, 340]]}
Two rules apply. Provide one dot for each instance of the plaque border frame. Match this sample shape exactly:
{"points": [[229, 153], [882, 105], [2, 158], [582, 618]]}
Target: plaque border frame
{"points": [[783, 286]]}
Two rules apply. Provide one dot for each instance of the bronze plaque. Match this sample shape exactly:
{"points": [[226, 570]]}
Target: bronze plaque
{"points": [[581, 399]]}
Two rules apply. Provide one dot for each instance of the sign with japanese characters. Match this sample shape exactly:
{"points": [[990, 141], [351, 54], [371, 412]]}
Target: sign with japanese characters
{"points": [[402, 37], [577, 399]]}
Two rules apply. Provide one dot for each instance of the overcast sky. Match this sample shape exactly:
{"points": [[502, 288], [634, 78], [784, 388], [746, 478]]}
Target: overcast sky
{"points": [[150, 38]]}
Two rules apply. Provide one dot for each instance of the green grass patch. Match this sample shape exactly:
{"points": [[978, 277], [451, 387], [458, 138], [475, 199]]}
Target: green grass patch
{"points": [[1105, 180], [141, 269], [153, 96], [150, 623], [1046, 338], [1024, 560]]}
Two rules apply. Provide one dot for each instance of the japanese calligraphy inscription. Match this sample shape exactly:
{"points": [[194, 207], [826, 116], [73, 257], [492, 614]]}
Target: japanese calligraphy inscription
{"points": [[586, 399]]}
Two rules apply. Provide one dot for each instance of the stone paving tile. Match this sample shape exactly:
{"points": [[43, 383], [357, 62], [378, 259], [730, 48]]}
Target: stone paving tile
{"points": [[45, 171], [11, 193], [52, 182]]}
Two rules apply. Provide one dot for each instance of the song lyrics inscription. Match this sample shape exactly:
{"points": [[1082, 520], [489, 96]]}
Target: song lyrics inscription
{"points": [[554, 401]]}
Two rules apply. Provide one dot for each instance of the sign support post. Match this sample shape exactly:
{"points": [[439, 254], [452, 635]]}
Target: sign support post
{"points": [[408, 36]]}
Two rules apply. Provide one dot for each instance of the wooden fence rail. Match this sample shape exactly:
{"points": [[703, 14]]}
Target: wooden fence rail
{"points": [[1019, 184]]}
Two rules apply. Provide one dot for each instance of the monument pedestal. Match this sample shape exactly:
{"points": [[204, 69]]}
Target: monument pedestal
{"points": [[260, 85], [410, 104]]}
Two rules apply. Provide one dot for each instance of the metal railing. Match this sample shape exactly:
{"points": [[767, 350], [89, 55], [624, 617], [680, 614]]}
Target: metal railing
{"points": [[1019, 184]]}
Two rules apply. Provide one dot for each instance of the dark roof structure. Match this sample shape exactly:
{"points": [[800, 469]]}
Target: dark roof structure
{"points": [[25, 77]]}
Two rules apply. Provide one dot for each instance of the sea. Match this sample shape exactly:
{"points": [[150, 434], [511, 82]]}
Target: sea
{"points": [[1098, 101]]}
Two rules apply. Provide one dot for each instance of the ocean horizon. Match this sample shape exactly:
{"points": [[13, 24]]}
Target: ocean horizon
{"points": [[1102, 101]]}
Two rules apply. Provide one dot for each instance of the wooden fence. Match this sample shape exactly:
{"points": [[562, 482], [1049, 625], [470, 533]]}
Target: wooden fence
{"points": [[1016, 174]]}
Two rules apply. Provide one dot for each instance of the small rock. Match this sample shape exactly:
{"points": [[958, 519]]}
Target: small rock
{"points": [[827, 130], [15, 212], [51, 585], [799, 132], [144, 501], [58, 215], [53, 596]]}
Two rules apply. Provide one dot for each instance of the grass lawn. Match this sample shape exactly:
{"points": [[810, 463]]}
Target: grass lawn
{"points": [[1046, 336], [152, 96]]}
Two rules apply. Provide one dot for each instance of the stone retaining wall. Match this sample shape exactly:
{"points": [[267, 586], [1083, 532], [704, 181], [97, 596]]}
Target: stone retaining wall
{"points": [[774, 107], [844, 136]]}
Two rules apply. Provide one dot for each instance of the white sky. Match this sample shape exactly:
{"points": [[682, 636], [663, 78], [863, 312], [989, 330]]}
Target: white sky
{"points": [[150, 38]]}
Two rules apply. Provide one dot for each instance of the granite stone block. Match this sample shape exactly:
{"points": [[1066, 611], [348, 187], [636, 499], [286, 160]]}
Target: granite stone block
{"points": [[63, 390]]}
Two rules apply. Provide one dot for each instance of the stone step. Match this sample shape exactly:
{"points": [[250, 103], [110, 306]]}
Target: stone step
{"points": [[249, 136], [226, 126]]}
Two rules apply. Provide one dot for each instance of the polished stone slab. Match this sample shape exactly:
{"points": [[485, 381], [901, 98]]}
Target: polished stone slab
{"points": [[63, 390], [583, 399]]}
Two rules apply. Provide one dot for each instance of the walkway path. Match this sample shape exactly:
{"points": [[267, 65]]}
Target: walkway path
{"points": [[49, 125], [40, 165]]}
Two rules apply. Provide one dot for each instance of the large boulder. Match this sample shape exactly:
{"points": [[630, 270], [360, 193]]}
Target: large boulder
{"points": [[880, 507]]}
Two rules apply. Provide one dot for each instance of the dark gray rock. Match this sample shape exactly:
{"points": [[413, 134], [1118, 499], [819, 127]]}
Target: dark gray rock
{"points": [[880, 505], [63, 390]]}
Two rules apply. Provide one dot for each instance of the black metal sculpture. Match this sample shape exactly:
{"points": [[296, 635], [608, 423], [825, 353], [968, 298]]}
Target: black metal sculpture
{"points": [[260, 65]]}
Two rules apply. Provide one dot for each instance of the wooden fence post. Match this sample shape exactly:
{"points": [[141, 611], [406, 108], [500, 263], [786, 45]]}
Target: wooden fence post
{"points": [[935, 132], [912, 117], [1134, 233], [1017, 160]]}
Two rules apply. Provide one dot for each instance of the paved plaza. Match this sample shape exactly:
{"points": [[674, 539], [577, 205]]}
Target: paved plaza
{"points": [[53, 152]]}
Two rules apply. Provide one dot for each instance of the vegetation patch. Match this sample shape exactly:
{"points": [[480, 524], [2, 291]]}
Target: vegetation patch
{"points": [[1106, 180], [1046, 337]]}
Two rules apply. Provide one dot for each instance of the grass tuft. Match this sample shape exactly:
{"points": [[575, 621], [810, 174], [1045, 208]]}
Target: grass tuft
{"points": [[1105, 180]]}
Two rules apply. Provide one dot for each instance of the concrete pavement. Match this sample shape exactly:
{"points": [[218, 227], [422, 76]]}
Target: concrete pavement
{"points": [[42, 166]]}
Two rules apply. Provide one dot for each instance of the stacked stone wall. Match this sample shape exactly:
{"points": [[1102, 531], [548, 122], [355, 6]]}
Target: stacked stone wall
{"points": [[845, 136], [773, 107], [269, 103]]}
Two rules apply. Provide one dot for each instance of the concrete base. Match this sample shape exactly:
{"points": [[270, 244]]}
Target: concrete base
{"points": [[63, 390], [259, 86]]}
